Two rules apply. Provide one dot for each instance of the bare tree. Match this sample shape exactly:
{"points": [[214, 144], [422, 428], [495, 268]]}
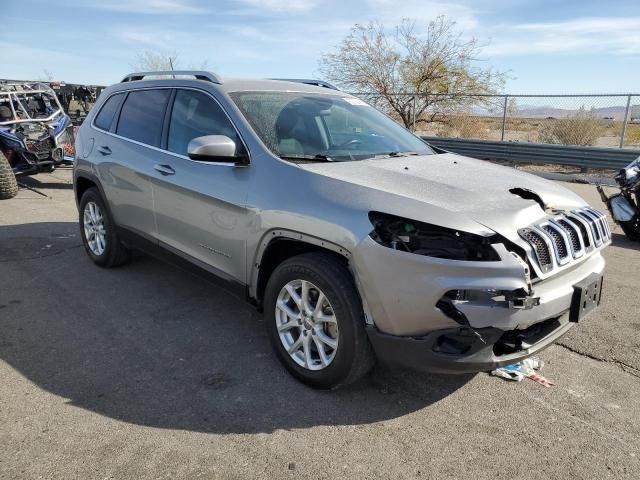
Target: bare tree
{"points": [[390, 68], [46, 76], [149, 61]]}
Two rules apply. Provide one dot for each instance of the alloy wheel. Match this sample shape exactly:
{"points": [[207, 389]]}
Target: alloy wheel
{"points": [[307, 326], [94, 229]]}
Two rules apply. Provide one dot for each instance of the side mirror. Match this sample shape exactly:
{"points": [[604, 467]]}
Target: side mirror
{"points": [[215, 148]]}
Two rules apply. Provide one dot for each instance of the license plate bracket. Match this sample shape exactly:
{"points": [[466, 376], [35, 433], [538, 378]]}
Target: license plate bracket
{"points": [[586, 297]]}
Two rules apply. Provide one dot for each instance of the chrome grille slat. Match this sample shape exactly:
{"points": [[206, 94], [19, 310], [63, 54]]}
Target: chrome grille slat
{"points": [[540, 247], [573, 232], [557, 241], [585, 231], [597, 238], [596, 222]]}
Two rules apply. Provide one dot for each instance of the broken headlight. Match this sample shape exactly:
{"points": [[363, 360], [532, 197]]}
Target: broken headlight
{"points": [[429, 240]]}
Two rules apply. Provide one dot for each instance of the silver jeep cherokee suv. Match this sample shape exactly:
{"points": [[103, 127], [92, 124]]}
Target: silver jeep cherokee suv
{"points": [[354, 236]]}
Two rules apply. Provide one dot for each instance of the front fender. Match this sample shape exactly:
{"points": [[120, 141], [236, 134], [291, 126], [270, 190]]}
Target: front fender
{"points": [[279, 233]]}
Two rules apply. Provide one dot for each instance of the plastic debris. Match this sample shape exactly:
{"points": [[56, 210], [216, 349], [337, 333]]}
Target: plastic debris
{"points": [[524, 369]]}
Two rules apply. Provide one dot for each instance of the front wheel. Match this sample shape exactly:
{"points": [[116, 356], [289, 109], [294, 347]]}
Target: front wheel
{"points": [[315, 321], [8, 182]]}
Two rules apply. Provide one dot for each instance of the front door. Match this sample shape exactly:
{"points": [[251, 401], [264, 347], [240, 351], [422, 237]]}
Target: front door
{"points": [[200, 207]]}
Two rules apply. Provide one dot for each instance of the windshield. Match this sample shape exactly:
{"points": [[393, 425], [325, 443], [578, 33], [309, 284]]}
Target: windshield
{"points": [[302, 126]]}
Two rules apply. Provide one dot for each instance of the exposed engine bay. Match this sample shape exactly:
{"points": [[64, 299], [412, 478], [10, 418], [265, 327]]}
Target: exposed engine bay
{"points": [[431, 240]]}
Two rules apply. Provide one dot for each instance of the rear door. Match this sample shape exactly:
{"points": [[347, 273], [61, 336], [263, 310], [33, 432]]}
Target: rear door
{"points": [[201, 207], [127, 155]]}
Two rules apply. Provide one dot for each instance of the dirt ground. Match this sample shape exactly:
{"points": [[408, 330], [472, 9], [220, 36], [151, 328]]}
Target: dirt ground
{"points": [[149, 372]]}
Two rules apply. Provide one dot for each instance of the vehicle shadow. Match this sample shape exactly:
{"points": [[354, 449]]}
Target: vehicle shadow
{"points": [[153, 345], [621, 240], [45, 180]]}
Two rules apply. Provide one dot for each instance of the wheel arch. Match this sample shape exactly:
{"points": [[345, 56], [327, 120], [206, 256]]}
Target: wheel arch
{"points": [[279, 245], [84, 181]]}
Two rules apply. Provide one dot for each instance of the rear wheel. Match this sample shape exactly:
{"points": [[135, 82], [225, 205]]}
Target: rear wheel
{"points": [[8, 183], [98, 232], [315, 321]]}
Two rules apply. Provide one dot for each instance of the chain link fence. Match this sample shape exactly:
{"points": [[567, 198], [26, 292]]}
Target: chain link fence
{"points": [[585, 120]]}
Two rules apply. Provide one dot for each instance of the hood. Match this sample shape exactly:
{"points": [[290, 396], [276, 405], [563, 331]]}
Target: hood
{"points": [[494, 196]]}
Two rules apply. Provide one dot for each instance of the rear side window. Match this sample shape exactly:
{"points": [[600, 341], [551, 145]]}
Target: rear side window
{"points": [[142, 115], [108, 111], [196, 114]]}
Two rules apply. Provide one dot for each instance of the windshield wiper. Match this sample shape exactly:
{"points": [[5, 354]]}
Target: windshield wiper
{"points": [[399, 154], [319, 157], [392, 155]]}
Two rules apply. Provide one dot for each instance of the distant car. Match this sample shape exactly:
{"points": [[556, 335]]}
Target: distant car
{"points": [[35, 133], [354, 236]]}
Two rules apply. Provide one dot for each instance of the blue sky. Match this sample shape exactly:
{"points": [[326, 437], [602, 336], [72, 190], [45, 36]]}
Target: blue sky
{"points": [[546, 46]]}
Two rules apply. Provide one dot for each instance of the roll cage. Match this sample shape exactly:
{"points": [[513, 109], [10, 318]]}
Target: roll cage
{"points": [[15, 94]]}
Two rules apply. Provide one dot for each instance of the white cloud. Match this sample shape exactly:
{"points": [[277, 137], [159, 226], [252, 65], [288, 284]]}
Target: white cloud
{"points": [[391, 12], [281, 5], [145, 37], [615, 35], [157, 7]]}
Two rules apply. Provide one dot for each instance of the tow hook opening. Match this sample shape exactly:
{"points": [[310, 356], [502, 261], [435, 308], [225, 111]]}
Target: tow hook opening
{"points": [[457, 343]]}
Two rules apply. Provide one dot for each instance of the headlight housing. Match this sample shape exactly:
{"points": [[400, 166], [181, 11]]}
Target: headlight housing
{"points": [[429, 240]]}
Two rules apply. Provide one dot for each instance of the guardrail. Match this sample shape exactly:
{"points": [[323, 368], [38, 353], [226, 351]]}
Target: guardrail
{"points": [[585, 157]]}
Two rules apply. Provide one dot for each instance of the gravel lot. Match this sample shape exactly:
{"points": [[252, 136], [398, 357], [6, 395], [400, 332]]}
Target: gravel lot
{"points": [[150, 372]]}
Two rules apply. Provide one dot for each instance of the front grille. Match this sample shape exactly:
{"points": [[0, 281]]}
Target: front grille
{"points": [[41, 149], [559, 240]]}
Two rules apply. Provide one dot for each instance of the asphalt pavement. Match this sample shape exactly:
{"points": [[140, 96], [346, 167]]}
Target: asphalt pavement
{"points": [[148, 371]]}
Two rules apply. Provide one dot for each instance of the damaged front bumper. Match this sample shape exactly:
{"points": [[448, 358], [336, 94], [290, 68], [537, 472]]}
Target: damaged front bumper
{"points": [[496, 319], [461, 350]]}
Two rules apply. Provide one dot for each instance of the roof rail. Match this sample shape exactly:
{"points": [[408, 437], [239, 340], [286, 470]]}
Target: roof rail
{"points": [[198, 74], [317, 83]]}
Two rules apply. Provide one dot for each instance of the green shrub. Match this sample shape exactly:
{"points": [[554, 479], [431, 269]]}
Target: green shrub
{"points": [[581, 128]]}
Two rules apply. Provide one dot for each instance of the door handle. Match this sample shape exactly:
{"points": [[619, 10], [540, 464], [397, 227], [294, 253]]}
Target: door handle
{"points": [[164, 169], [104, 150]]}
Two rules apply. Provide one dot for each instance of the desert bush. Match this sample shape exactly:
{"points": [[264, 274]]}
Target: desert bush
{"points": [[581, 128], [461, 126], [632, 135]]}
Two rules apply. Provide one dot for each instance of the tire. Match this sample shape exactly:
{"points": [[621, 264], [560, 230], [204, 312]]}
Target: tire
{"points": [[353, 357], [8, 182], [632, 229], [48, 168], [113, 253]]}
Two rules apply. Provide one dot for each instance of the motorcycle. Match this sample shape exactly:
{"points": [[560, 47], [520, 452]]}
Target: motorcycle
{"points": [[624, 206]]}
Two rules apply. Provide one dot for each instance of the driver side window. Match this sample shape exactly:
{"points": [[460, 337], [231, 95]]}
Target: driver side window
{"points": [[196, 114]]}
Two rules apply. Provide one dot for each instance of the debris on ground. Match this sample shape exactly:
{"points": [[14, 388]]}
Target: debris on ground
{"points": [[524, 369]]}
